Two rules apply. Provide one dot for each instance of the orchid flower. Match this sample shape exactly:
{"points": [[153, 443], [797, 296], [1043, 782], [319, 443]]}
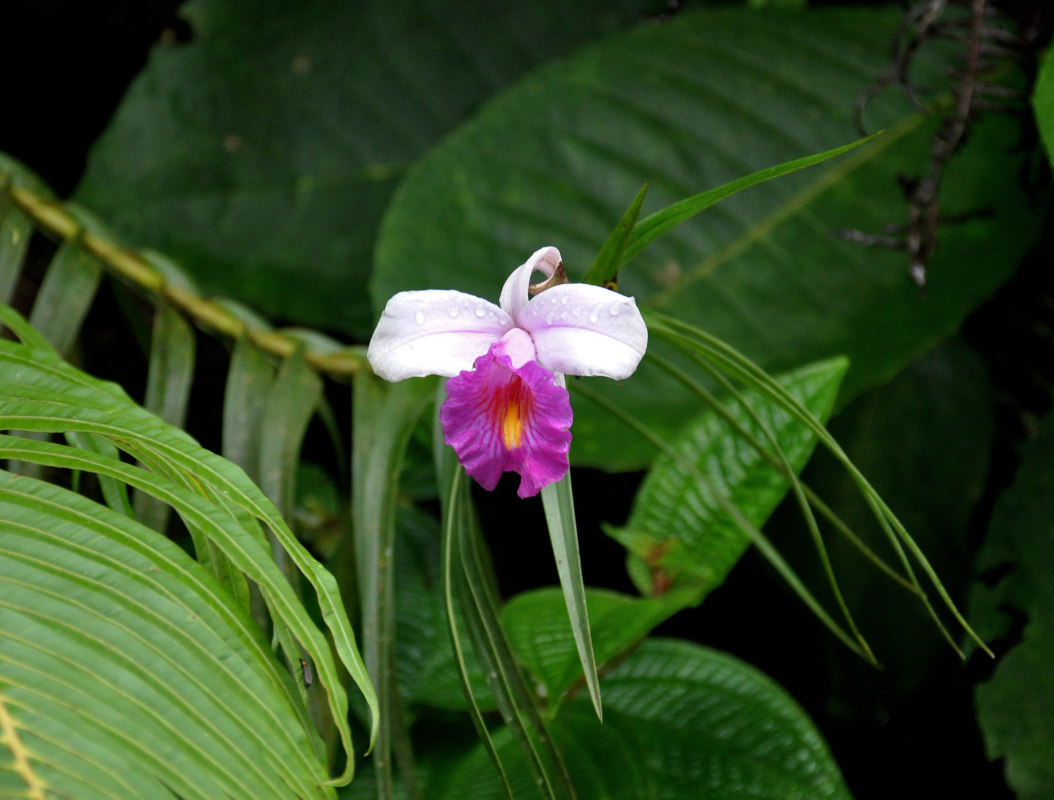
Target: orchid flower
{"points": [[507, 407]]}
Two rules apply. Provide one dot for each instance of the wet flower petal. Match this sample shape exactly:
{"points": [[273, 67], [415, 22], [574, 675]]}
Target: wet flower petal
{"points": [[501, 418], [579, 329], [433, 332]]}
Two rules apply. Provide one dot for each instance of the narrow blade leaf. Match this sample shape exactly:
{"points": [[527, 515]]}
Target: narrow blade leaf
{"points": [[655, 225], [248, 386], [604, 271], [558, 502], [66, 295], [168, 382], [383, 416]]}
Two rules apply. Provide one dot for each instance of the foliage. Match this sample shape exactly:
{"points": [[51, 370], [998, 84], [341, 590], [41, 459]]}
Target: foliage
{"points": [[1016, 705], [179, 623]]}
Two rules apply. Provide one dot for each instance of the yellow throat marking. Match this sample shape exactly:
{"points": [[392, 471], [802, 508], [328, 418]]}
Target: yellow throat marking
{"points": [[512, 424]]}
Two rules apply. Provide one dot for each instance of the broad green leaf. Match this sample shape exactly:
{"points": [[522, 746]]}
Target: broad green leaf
{"points": [[1043, 103], [23, 331], [40, 393], [537, 626], [680, 722], [278, 134], [1016, 706], [678, 533], [127, 671], [707, 98]]}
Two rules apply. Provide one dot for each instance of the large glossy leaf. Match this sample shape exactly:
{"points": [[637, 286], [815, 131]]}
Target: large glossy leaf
{"points": [[262, 153], [127, 671], [680, 722], [679, 533], [538, 628], [687, 106], [1016, 706]]}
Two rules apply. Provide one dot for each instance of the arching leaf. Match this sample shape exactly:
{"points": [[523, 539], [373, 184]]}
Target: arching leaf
{"points": [[215, 499], [128, 671]]}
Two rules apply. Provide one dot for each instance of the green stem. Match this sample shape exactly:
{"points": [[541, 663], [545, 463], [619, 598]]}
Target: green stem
{"points": [[133, 268]]}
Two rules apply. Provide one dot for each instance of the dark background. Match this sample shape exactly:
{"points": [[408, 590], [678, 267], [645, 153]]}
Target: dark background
{"points": [[67, 65]]}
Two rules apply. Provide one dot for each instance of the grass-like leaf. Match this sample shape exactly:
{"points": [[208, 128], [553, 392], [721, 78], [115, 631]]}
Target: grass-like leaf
{"points": [[655, 225], [470, 583], [604, 271], [383, 416], [16, 227], [559, 505], [724, 481], [168, 382], [249, 378], [735, 365], [66, 294]]}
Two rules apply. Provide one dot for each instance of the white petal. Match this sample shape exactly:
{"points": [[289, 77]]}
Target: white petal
{"points": [[514, 292], [433, 332], [580, 329]]}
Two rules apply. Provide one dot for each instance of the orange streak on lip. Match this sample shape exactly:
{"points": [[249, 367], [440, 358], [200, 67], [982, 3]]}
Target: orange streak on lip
{"points": [[509, 410]]}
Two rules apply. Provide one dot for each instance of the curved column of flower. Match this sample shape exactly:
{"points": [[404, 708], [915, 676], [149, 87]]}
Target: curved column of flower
{"points": [[507, 409]]}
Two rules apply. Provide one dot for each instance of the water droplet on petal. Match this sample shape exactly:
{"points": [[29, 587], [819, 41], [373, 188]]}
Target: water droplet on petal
{"points": [[549, 318], [452, 310], [594, 315], [481, 312], [614, 311], [563, 299], [419, 317]]}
